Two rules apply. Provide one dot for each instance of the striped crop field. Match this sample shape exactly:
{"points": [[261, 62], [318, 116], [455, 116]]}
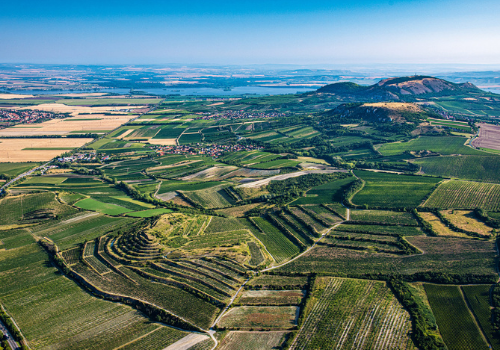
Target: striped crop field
{"points": [[354, 314], [454, 318], [465, 195]]}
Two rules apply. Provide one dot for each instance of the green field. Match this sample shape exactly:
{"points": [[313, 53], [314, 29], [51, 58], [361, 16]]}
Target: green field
{"points": [[453, 317], [280, 247], [276, 164], [14, 169], [189, 138], [478, 299], [465, 195], [478, 168], [213, 197], [27, 208], [149, 213], [173, 185], [105, 208], [327, 193], [393, 191], [168, 132], [441, 144], [77, 229], [384, 217]]}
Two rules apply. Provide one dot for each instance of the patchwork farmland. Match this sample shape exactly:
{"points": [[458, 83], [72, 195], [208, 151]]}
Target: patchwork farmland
{"points": [[259, 222]]}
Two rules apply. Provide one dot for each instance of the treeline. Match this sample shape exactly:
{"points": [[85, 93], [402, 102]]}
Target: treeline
{"points": [[9, 323], [395, 166], [425, 333], [426, 227], [428, 276], [350, 190], [282, 192], [319, 147], [482, 215]]}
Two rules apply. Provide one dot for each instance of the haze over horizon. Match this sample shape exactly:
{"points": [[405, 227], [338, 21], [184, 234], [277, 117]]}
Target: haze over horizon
{"points": [[251, 32]]}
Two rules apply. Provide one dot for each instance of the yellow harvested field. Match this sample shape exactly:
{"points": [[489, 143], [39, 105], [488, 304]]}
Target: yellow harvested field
{"points": [[59, 171], [75, 110], [349, 125], [312, 160], [216, 104], [126, 133], [11, 150], [165, 142], [439, 227], [11, 96], [466, 220], [400, 106], [67, 125]]}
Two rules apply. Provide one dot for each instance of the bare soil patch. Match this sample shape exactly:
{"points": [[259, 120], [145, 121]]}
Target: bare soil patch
{"points": [[489, 137]]}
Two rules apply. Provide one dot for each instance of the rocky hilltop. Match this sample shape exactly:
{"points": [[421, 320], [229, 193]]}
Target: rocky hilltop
{"points": [[399, 88]]}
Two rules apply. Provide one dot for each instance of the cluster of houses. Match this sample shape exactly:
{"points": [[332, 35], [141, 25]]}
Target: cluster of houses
{"points": [[241, 115], [10, 117], [214, 150], [80, 157]]}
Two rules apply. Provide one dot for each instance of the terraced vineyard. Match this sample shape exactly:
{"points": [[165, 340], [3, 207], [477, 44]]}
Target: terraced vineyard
{"points": [[354, 314], [280, 247]]}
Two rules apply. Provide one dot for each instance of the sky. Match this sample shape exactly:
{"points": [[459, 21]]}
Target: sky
{"points": [[250, 32]]}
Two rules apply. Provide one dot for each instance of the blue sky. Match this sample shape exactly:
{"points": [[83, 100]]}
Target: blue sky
{"points": [[247, 32]]}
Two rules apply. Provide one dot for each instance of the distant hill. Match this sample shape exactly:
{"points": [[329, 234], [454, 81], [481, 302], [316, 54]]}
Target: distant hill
{"points": [[399, 88]]}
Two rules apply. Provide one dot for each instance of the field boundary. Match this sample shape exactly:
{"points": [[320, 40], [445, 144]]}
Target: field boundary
{"points": [[474, 318]]}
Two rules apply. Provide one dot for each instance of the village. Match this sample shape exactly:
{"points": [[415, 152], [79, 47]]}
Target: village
{"points": [[214, 150], [242, 115], [11, 117]]}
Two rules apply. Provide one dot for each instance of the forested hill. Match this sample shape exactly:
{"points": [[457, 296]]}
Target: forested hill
{"points": [[399, 88]]}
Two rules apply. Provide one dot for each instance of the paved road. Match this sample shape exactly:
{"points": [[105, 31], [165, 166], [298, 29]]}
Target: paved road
{"points": [[29, 172], [11, 341]]}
